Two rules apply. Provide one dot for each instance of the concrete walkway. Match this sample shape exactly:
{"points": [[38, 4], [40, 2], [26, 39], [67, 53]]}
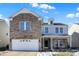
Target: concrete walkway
{"points": [[76, 54], [44, 54]]}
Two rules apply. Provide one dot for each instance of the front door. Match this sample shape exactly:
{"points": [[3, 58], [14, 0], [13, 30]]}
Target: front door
{"points": [[47, 44]]}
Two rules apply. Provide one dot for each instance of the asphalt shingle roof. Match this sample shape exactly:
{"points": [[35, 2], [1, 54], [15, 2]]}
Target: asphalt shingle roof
{"points": [[54, 24]]}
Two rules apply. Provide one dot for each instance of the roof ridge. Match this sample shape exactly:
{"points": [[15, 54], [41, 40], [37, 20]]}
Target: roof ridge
{"points": [[24, 10]]}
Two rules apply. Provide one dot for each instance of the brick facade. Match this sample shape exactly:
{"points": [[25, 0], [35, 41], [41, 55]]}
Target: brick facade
{"points": [[16, 33]]}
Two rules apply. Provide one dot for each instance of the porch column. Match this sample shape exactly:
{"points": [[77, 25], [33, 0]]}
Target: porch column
{"points": [[51, 44], [70, 38], [58, 43], [43, 43], [69, 42]]}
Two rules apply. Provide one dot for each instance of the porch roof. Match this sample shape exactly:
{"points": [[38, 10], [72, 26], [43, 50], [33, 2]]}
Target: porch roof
{"points": [[55, 36]]}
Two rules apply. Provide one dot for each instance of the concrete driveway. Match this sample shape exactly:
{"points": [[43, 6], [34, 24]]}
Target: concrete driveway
{"points": [[24, 53], [17, 53]]}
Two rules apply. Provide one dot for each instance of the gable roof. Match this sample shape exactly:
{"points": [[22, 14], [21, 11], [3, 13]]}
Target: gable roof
{"points": [[24, 10]]}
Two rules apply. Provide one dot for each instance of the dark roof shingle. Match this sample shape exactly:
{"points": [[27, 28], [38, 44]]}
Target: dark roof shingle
{"points": [[59, 24], [54, 24]]}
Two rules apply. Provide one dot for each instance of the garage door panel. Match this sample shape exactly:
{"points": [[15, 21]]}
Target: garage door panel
{"points": [[25, 45]]}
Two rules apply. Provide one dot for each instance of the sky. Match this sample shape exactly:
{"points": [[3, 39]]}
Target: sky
{"points": [[67, 13]]}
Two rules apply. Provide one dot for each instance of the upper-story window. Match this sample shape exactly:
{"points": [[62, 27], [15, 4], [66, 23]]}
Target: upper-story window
{"points": [[25, 25], [46, 29], [56, 30], [61, 30]]}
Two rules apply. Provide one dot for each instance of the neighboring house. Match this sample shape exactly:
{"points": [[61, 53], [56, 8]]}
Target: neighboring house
{"points": [[74, 32], [4, 34], [28, 32], [25, 31], [55, 35]]}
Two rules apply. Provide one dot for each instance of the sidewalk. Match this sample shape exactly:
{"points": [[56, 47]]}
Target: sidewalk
{"points": [[44, 54]]}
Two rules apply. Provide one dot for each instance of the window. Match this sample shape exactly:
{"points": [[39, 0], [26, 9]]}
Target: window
{"points": [[61, 30], [26, 40], [29, 40], [23, 40], [55, 43], [22, 25], [25, 25], [20, 40], [46, 29], [61, 43], [28, 26], [56, 29]]}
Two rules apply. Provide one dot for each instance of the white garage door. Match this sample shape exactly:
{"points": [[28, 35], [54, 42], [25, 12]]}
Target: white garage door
{"points": [[20, 44]]}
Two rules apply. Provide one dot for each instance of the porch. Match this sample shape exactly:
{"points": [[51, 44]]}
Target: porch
{"points": [[50, 43]]}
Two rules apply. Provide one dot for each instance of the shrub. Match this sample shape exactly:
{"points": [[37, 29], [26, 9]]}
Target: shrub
{"points": [[2, 48]]}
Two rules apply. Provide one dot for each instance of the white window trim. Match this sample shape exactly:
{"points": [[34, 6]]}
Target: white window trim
{"points": [[24, 25]]}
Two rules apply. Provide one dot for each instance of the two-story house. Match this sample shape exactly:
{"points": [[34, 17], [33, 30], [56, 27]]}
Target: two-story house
{"points": [[28, 32], [54, 35]]}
